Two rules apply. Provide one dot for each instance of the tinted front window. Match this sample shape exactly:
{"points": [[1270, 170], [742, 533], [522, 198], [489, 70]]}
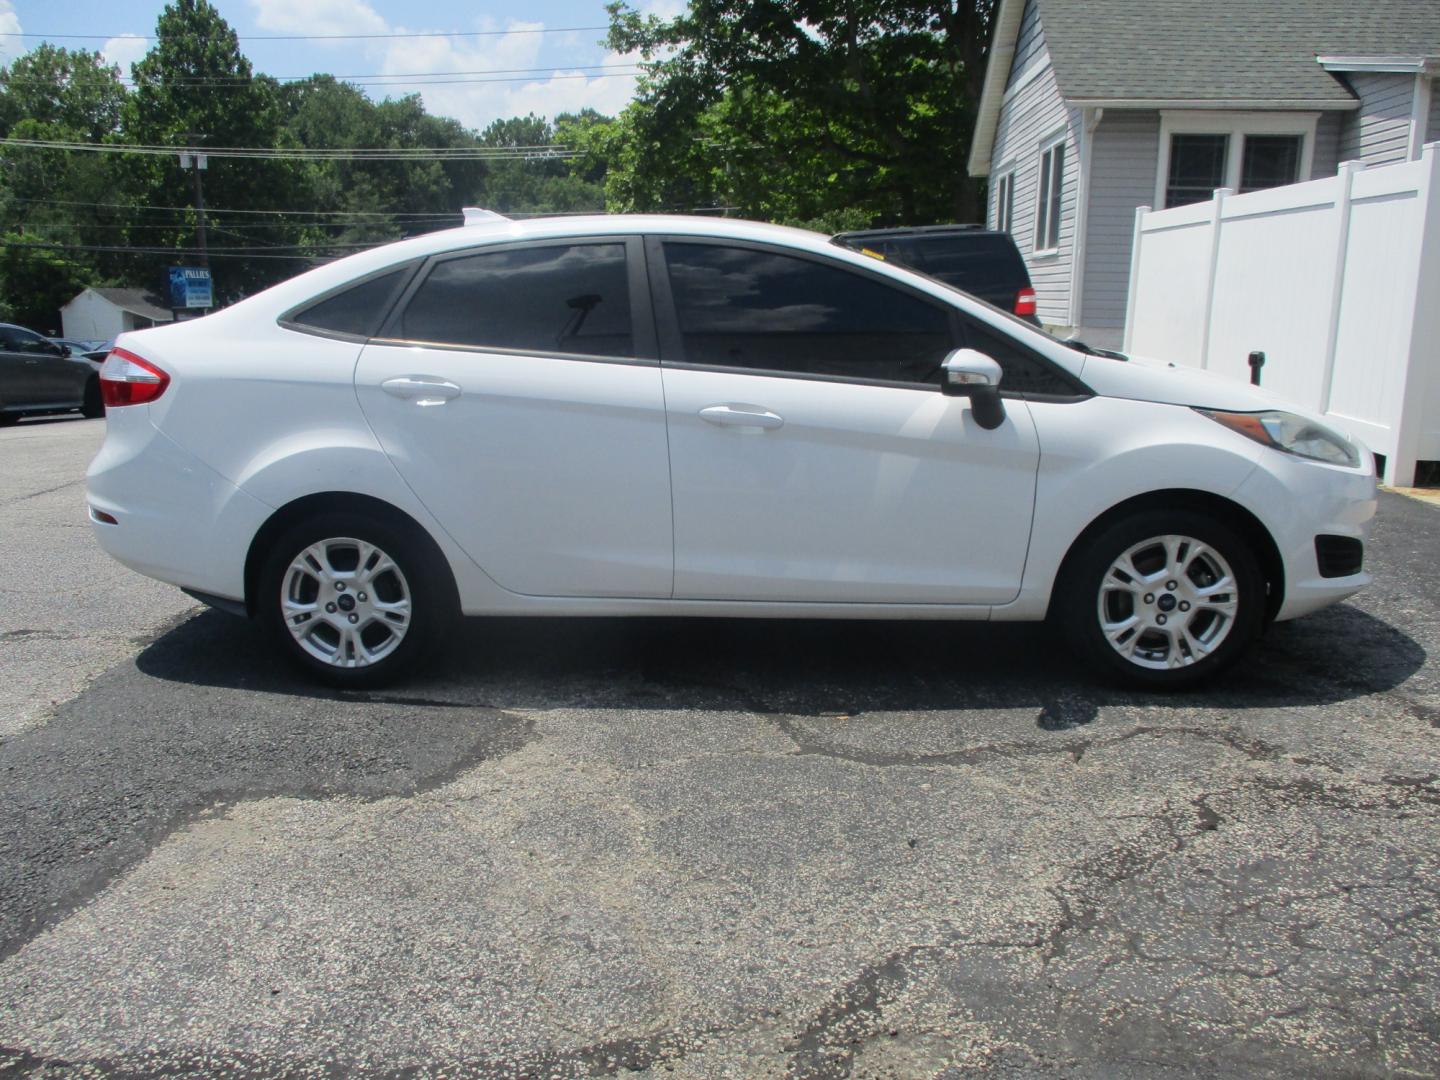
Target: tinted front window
{"points": [[358, 310], [1022, 371], [739, 307], [552, 299]]}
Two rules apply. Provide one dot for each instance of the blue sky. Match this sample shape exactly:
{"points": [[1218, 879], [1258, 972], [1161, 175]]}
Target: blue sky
{"points": [[587, 75]]}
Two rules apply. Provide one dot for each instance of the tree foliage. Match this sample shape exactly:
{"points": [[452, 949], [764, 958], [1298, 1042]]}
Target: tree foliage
{"points": [[831, 114], [800, 109]]}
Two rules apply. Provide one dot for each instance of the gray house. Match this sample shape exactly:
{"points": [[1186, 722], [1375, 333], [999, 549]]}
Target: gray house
{"points": [[1092, 108]]}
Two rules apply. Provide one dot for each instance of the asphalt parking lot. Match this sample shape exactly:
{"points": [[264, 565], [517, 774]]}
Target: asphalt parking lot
{"points": [[704, 849]]}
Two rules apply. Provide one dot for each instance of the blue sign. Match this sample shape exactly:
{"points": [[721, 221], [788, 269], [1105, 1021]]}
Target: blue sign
{"points": [[190, 287]]}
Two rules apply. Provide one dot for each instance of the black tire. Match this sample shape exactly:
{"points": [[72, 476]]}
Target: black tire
{"points": [[1079, 602], [93, 407], [9, 419], [434, 607]]}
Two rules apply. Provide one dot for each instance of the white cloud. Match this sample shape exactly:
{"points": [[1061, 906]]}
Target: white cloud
{"points": [[473, 103], [123, 51], [10, 47], [318, 17]]}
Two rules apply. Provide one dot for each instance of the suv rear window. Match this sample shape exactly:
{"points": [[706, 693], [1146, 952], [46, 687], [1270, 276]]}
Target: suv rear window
{"points": [[357, 310]]}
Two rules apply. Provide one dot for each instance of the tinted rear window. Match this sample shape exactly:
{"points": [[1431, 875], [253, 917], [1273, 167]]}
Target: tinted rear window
{"points": [[358, 310], [552, 298]]}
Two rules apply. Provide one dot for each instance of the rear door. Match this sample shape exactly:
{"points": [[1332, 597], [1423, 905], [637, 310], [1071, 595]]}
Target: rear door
{"points": [[517, 390]]}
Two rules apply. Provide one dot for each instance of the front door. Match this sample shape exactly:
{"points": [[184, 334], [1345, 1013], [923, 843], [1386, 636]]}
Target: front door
{"points": [[812, 453], [517, 393]]}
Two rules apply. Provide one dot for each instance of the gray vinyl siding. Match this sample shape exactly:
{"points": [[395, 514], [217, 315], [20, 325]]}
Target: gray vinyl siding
{"points": [[1029, 118], [1432, 130], [1029, 44], [1124, 158], [1378, 133], [1326, 159]]}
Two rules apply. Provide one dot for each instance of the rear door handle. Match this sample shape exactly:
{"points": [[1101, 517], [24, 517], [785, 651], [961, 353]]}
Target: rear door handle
{"points": [[421, 389], [754, 416]]}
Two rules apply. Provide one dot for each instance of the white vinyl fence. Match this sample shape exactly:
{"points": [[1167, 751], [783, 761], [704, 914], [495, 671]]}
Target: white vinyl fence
{"points": [[1336, 281]]}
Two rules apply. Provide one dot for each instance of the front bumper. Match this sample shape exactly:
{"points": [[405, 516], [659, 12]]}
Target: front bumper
{"points": [[1299, 500]]}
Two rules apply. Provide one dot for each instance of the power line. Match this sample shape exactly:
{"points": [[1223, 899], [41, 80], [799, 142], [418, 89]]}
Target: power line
{"points": [[177, 252], [409, 80], [419, 153], [218, 79], [213, 210], [330, 37]]}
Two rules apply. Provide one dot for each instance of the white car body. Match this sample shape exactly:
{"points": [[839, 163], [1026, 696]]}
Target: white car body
{"points": [[560, 486]]}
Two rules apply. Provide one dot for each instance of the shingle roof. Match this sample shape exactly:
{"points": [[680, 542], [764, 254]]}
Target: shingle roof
{"points": [[1226, 50], [138, 301]]}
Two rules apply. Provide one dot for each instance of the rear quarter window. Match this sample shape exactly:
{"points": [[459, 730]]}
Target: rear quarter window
{"points": [[355, 311]]}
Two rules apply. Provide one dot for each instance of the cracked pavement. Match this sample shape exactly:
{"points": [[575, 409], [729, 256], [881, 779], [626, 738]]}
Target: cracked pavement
{"points": [[719, 848]]}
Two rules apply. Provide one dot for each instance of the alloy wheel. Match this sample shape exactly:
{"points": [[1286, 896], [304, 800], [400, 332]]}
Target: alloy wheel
{"points": [[346, 602], [1168, 602]]}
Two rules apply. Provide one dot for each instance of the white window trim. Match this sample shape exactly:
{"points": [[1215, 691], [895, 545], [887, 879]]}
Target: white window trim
{"points": [[1236, 125], [1057, 139], [1003, 173]]}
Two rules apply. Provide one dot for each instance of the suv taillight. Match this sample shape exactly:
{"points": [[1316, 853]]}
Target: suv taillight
{"points": [[125, 379], [1025, 301]]}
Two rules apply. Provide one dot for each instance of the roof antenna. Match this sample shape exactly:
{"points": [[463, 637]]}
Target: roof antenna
{"points": [[474, 215]]}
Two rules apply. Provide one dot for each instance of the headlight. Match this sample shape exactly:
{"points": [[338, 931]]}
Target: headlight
{"points": [[1290, 433]]}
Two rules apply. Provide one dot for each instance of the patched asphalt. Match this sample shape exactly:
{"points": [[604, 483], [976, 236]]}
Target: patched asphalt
{"points": [[735, 848]]}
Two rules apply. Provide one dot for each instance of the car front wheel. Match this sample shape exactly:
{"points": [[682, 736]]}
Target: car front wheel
{"points": [[356, 601], [1163, 599]]}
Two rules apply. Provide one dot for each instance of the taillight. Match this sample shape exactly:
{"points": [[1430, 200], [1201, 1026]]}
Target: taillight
{"points": [[1025, 301], [125, 379]]}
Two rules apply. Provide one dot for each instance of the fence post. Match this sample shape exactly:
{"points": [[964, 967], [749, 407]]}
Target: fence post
{"points": [[1217, 210], [1345, 178], [1134, 284], [1424, 326]]}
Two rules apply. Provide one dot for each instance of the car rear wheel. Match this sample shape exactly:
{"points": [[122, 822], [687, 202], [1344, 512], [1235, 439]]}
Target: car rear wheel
{"points": [[92, 407], [1163, 599], [355, 600]]}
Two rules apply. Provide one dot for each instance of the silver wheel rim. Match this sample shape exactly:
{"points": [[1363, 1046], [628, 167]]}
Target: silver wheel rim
{"points": [[346, 602], [1168, 602]]}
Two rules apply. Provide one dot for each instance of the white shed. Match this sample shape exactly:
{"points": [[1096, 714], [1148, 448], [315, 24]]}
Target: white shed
{"points": [[101, 314]]}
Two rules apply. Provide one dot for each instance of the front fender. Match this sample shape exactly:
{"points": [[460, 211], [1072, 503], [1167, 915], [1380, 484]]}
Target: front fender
{"points": [[1098, 453]]}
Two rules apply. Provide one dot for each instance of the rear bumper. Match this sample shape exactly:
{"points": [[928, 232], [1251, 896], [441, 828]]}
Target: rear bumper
{"points": [[176, 519]]}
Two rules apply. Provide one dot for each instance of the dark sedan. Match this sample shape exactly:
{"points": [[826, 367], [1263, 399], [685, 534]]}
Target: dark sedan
{"points": [[38, 376]]}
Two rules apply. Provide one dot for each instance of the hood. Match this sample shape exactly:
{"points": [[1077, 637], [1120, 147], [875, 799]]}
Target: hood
{"points": [[1143, 378]]}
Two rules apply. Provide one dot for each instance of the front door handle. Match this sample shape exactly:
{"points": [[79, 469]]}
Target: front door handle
{"points": [[752, 416], [421, 389]]}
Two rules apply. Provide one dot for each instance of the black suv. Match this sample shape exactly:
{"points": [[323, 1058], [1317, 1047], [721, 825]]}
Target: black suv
{"points": [[977, 260]]}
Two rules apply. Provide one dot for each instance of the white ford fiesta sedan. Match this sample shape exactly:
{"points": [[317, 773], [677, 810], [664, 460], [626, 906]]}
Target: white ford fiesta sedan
{"points": [[686, 416]]}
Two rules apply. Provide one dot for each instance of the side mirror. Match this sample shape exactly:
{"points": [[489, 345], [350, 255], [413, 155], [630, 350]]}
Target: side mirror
{"points": [[970, 373]]}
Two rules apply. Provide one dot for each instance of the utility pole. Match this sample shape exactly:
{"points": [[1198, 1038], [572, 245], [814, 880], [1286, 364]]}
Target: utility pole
{"points": [[198, 163]]}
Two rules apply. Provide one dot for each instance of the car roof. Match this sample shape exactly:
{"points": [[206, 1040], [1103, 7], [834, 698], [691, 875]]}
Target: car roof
{"points": [[378, 259]]}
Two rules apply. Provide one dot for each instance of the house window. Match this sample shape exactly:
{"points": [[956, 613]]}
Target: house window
{"points": [[1197, 168], [1047, 212], [1243, 151], [1004, 201], [1269, 161]]}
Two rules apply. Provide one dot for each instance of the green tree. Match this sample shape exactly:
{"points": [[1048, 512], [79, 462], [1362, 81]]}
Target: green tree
{"points": [[194, 88], [795, 109], [55, 203]]}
